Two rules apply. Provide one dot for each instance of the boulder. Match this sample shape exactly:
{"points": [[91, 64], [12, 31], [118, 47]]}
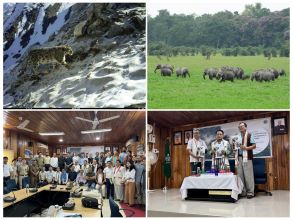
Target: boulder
{"points": [[80, 29]]}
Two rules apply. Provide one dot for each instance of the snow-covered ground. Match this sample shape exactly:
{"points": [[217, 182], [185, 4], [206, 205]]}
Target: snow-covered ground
{"points": [[114, 78]]}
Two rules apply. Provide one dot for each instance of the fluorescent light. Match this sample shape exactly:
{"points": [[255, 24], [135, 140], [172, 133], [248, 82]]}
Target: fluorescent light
{"points": [[98, 138], [96, 131], [51, 133], [60, 140]]}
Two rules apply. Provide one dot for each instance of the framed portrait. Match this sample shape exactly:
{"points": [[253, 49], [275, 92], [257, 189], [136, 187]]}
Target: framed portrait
{"points": [[177, 137], [107, 149], [279, 125], [58, 151], [187, 136]]}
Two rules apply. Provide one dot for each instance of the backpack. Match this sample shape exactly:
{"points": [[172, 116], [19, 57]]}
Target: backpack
{"points": [[90, 203]]}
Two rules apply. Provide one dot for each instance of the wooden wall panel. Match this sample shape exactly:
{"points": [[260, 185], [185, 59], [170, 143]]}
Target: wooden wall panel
{"points": [[277, 166]]}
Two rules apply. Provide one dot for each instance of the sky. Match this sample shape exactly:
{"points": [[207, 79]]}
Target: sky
{"points": [[200, 7]]}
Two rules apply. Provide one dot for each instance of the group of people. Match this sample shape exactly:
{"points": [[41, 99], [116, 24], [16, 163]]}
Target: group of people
{"points": [[120, 175], [221, 149]]}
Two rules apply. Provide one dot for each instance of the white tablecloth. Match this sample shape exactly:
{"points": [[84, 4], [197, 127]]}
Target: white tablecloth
{"points": [[210, 181]]}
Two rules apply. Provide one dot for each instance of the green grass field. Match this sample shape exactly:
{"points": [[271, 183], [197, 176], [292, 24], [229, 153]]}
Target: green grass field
{"points": [[197, 93]]}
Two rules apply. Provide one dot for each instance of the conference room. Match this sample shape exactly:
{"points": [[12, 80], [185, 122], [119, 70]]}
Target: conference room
{"points": [[218, 163], [74, 163]]}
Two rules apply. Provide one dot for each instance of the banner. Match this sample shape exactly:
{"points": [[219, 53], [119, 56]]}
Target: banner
{"points": [[260, 129]]}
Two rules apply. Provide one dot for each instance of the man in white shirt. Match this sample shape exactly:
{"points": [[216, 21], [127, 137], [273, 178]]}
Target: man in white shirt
{"points": [[54, 161], [220, 151], [196, 148], [76, 166], [75, 158], [109, 173], [50, 175], [7, 170]]}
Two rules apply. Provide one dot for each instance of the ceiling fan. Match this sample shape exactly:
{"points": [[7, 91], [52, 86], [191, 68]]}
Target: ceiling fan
{"points": [[96, 122], [22, 125]]}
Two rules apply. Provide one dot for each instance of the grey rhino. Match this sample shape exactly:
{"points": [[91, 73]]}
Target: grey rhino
{"points": [[166, 72], [183, 71], [162, 66], [262, 75], [238, 72], [226, 75], [211, 72]]}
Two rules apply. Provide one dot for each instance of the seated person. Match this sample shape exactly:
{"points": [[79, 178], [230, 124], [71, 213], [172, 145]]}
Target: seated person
{"points": [[76, 166], [91, 179], [72, 174], [50, 175], [57, 176], [100, 186], [42, 177], [81, 178], [63, 177]]}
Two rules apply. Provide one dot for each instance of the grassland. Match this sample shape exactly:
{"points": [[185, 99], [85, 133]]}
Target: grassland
{"points": [[197, 93]]}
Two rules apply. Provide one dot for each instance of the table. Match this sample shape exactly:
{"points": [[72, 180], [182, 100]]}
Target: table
{"points": [[225, 186], [27, 202]]}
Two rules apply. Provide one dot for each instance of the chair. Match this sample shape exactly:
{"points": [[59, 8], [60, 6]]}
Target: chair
{"points": [[25, 182], [115, 211], [11, 185], [260, 174]]}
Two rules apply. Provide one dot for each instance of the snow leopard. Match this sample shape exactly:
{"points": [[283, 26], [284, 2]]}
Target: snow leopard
{"points": [[47, 55]]}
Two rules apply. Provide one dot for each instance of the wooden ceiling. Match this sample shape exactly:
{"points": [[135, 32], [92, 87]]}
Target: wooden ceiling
{"points": [[172, 119], [129, 123]]}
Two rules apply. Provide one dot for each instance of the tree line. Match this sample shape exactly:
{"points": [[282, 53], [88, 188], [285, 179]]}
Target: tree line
{"points": [[255, 31]]}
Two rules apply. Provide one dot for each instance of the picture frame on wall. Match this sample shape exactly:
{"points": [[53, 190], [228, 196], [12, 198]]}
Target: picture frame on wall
{"points": [[177, 138], [187, 136], [107, 149], [58, 151], [279, 125]]}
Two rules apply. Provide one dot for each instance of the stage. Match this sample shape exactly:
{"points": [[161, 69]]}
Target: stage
{"points": [[170, 204]]}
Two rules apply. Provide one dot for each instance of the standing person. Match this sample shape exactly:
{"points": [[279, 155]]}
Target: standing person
{"points": [[109, 157], [7, 170], [75, 158], [30, 161], [119, 172], [245, 157], [14, 174], [18, 162], [68, 162], [115, 157], [140, 180], [129, 180], [97, 157], [23, 172], [90, 158], [100, 180], [34, 174], [40, 160], [129, 156], [54, 162], [108, 174], [81, 159], [102, 159], [95, 166], [61, 161], [220, 151], [47, 160], [196, 148], [123, 155]]}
